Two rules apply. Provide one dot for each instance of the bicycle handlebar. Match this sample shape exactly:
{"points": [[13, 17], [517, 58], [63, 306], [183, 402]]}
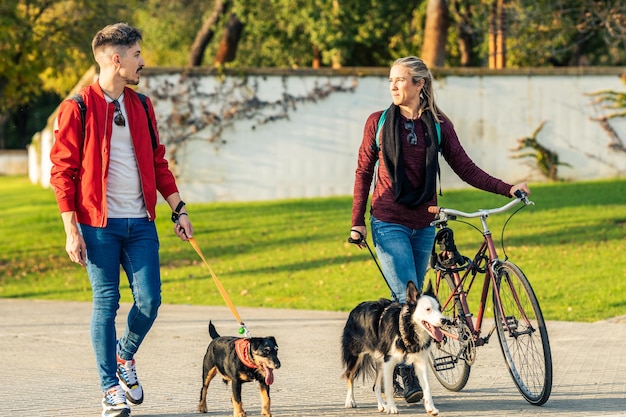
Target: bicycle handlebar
{"points": [[445, 214]]}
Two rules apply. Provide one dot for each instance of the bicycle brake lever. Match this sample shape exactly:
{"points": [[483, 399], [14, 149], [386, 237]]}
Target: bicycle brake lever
{"points": [[524, 197]]}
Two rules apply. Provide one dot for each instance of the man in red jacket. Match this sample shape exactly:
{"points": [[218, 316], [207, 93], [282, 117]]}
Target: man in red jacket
{"points": [[106, 173]]}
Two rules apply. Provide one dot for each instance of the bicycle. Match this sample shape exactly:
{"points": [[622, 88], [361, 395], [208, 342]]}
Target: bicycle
{"points": [[518, 320]]}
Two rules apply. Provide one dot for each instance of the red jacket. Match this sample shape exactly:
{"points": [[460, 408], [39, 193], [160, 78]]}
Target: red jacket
{"points": [[80, 167]]}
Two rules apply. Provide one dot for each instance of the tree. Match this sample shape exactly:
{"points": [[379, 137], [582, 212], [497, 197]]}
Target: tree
{"points": [[436, 33], [170, 29], [206, 33], [497, 35], [227, 49], [303, 33], [566, 32], [45, 47], [468, 36]]}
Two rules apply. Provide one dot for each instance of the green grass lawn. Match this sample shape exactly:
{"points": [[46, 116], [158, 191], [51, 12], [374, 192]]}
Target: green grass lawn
{"points": [[294, 253]]}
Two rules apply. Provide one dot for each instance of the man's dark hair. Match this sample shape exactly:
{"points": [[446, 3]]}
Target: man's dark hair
{"points": [[118, 34]]}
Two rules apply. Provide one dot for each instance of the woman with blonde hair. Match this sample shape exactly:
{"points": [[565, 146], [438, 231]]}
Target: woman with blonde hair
{"points": [[404, 160]]}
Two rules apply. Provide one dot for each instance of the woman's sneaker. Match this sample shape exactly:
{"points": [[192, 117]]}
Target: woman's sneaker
{"points": [[114, 403], [127, 374]]}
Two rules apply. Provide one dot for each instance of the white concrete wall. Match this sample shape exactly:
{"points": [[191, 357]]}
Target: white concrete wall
{"points": [[13, 162], [311, 151]]}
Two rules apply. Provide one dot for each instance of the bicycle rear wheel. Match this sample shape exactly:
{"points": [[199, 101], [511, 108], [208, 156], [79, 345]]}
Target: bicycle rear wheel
{"points": [[448, 357], [523, 334]]}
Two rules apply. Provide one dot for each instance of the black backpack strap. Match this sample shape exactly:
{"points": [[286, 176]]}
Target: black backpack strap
{"points": [[81, 106], [83, 114], [142, 97]]}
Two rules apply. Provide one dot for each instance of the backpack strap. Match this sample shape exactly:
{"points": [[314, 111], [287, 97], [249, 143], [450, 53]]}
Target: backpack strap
{"points": [[81, 106], [376, 147], [142, 97], [381, 122]]}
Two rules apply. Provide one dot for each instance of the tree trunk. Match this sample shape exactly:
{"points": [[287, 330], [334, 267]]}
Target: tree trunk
{"points": [[317, 57], [228, 45], [492, 34], [501, 39], [497, 40], [4, 118], [337, 58], [436, 33], [206, 33]]}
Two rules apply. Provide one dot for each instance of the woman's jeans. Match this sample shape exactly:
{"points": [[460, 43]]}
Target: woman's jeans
{"points": [[404, 254], [133, 244]]}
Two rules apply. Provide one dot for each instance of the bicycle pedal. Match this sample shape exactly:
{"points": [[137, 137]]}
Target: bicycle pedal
{"points": [[444, 363], [512, 323]]}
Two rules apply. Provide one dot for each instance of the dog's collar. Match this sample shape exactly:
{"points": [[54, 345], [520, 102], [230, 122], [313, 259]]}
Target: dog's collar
{"points": [[242, 347]]}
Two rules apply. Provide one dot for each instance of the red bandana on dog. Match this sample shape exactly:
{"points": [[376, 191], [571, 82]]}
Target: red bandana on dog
{"points": [[242, 347]]}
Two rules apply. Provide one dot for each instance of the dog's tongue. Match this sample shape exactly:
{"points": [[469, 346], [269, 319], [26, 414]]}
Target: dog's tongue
{"points": [[435, 332], [269, 375]]}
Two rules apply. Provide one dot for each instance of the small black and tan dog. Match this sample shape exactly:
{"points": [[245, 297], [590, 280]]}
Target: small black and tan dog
{"points": [[239, 360]]}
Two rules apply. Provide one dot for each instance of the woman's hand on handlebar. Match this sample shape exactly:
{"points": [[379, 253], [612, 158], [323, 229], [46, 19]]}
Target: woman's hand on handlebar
{"points": [[521, 187], [358, 234]]}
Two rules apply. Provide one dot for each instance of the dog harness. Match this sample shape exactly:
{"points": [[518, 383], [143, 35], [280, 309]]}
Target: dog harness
{"points": [[242, 347]]}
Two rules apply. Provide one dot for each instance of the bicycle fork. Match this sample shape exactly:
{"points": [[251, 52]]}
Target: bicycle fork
{"points": [[510, 322]]}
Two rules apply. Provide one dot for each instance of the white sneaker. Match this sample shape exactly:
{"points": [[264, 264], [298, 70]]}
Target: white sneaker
{"points": [[127, 374], [114, 403]]}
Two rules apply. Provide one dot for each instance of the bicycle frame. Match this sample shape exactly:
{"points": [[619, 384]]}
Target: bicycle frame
{"points": [[461, 291]]}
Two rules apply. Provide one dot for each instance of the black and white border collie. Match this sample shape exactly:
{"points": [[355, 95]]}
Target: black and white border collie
{"points": [[379, 335]]}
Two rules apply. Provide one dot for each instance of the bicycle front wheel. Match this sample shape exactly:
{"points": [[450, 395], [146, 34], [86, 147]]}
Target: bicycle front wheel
{"points": [[449, 358], [523, 334]]}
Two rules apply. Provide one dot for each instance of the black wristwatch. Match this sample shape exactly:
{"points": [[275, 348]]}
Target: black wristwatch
{"points": [[176, 213]]}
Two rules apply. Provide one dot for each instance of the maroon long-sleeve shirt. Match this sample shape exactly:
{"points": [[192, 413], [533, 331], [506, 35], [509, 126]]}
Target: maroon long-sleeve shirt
{"points": [[383, 205]]}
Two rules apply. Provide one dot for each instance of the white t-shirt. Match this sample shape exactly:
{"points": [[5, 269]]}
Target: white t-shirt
{"points": [[124, 195]]}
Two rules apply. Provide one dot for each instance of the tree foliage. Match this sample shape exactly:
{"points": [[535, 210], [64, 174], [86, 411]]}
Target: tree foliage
{"points": [[169, 29], [347, 33], [45, 45], [566, 32], [288, 33]]}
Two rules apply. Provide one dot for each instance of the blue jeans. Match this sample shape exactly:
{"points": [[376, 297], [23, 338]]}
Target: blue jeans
{"points": [[133, 244], [403, 253]]}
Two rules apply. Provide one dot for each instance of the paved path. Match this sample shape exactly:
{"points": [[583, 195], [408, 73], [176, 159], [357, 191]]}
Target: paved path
{"points": [[47, 367]]}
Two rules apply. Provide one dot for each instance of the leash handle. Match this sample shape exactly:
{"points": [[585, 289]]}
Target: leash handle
{"points": [[358, 241]]}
